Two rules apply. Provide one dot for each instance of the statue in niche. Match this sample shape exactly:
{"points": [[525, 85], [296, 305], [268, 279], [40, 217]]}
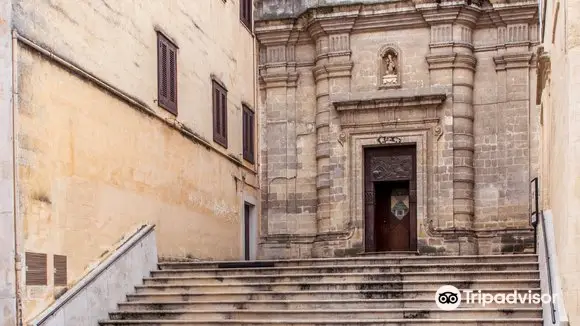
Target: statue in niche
{"points": [[390, 76]]}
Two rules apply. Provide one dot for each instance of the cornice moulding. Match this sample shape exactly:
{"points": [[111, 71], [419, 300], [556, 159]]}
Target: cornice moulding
{"points": [[390, 101], [273, 80], [333, 70], [451, 60], [513, 60]]}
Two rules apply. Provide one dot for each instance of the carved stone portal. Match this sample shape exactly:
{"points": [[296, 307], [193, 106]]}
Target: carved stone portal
{"points": [[389, 67]]}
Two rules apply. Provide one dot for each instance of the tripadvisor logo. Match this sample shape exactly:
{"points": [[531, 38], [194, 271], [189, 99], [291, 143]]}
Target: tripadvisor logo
{"points": [[449, 297]]}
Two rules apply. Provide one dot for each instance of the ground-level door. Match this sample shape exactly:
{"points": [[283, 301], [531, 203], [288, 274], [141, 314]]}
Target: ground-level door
{"points": [[390, 198]]}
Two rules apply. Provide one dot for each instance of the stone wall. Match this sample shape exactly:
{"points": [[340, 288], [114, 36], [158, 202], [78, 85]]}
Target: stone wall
{"points": [[463, 95]]}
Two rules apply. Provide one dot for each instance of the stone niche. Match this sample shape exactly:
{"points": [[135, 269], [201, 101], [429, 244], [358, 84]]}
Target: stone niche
{"points": [[389, 67]]}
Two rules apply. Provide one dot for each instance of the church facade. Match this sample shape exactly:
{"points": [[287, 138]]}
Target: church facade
{"points": [[396, 126]]}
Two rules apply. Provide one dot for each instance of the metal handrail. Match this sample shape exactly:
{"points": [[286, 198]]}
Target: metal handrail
{"points": [[549, 269]]}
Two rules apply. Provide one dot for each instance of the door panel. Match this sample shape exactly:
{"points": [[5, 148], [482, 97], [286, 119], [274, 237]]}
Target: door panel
{"points": [[390, 198]]}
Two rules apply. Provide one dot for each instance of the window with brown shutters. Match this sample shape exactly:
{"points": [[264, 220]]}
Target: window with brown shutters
{"points": [[36, 270], [248, 133], [60, 270], [246, 13], [220, 114], [166, 74]]}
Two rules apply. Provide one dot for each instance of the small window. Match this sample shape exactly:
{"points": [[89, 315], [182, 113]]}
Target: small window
{"points": [[60, 270], [248, 134], [220, 114], [166, 74], [36, 269], [246, 13]]}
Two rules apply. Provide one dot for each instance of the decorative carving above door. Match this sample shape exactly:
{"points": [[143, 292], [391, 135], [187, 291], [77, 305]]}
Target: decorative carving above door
{"points": [[391, 168]]}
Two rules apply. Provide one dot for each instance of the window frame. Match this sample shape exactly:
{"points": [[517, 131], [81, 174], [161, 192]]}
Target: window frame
{"points": [[248, 134], [247, 8], [164, 101], [220, 113]]}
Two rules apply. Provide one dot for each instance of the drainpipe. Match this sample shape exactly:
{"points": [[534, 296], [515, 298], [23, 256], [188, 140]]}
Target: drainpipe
{"points": [[15, 101]]}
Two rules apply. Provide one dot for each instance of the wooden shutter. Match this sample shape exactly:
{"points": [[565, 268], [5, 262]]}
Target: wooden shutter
{"points": [[167, 74], [36, 270], [60, 270], [220, 114], [246, 13], [248, 134]]}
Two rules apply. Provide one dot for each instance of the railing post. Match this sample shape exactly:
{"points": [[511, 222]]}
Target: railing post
{"points": [[534, 216]]}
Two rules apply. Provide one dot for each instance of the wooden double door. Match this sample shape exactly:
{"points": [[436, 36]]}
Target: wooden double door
{"points": [[390, 198]]}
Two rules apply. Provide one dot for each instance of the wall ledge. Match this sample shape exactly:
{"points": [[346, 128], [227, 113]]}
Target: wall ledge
{"points": [[90, 277]]}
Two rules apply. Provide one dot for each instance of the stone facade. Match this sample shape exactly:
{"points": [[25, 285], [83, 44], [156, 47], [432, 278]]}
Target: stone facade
{"points": [[456, 79], [95, 153], [558, 101]]}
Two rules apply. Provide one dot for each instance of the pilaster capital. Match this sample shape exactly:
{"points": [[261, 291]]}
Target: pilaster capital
{"points": [[514, 60]]}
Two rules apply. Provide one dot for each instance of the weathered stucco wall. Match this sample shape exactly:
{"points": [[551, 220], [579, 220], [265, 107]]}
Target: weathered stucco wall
{"points": [[7, 250], [91, 167], [99, 292], [560, 103]]}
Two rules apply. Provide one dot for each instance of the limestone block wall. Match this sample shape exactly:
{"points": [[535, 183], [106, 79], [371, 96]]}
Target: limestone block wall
{"points": [[473, 78]]}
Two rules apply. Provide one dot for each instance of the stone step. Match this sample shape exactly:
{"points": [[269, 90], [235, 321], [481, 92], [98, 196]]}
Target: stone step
{"points": [[461, 284], [359, 260], [321, 315], [301, 295], [389, 253], [334, 322], [306, 304], [339, 277], [344, 268]]}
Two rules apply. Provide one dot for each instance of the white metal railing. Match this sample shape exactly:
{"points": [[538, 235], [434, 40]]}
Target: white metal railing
{"points": [[554, 312]]}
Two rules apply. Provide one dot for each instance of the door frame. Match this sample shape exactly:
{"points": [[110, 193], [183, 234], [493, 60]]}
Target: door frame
{"points": [[253, 234], [370, 244]]}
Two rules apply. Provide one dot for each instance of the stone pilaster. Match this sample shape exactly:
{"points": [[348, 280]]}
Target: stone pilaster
{"points": [[332, 74], [288, 202], [452, 63]]}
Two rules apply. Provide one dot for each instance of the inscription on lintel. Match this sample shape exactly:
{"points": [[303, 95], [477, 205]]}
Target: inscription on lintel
{"points": [[388, 140]]}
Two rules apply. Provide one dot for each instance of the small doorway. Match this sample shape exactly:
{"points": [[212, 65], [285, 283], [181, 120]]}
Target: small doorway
{"points": [[248, 231], [390, 199]]}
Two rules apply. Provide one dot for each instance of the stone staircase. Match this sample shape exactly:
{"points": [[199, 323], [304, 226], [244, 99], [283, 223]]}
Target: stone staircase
{"points": [[382, 290]]}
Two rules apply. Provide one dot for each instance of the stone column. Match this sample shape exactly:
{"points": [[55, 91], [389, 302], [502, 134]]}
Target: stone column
{"points": [[322, 138]]}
